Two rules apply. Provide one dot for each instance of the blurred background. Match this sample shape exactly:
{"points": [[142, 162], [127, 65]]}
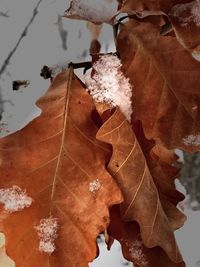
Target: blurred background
{"points": [[33, 34]]}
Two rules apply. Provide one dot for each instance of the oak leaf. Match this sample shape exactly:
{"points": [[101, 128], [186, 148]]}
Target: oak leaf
{"points": [[185, 18], [133, 249], [166, 85], [143, 201], [61, 165], [152, 5]]}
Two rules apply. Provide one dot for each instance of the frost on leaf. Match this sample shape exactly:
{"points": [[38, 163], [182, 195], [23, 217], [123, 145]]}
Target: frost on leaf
{"points": [[94, 186], [136, 252], [47, 232], [14, 199], [109, 85], [192, 140], [187, 13], [97, 11]]}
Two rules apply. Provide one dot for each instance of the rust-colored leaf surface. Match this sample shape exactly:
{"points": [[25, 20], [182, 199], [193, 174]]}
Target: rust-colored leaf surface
{"points": [[185, 18], [152, 5], [166, 85], [164, 169], [128, 234], [61, 165], [143, 201]]}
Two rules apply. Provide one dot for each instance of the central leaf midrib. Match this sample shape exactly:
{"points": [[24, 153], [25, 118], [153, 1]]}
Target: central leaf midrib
{"points": [[69, 80]]}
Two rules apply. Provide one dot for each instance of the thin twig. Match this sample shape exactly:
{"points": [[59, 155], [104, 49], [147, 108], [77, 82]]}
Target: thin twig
{"points": [[24, 33], [63, 33], [87, 64]]}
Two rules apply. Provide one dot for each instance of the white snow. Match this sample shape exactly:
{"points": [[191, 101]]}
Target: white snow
{"points": [[97, 11], [94, 186], [192, 140], [14, 199], [136, 251], [59, 67], [47, 232], [109, 85]]}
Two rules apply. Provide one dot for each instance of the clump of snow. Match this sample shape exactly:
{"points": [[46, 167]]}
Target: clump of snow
{"points": [[196, 55], [136, 251], [192, 140], [14, 199], [97, 11], [47, 232], [180, 10], [109, 85], [94, 186], [59, 67]]}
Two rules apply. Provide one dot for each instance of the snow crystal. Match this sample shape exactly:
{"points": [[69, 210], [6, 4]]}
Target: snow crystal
{"points": [[193, 7], [93, 10], [47, 232], [94, 185], [196, 55], [59, 67], [136, 251], [14, 199], [193, 140], [109, 85]]}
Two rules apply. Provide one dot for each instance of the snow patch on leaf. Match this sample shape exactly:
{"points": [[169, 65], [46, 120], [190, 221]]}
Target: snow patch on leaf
{"points": [[47, 232], [14, 199], [187, 13], [192, 140], [136, 252], [94, 186], [97, 11], [109, 85]]}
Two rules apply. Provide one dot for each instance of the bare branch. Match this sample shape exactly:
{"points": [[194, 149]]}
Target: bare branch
{"points": [[63, 33], [24, 33]]}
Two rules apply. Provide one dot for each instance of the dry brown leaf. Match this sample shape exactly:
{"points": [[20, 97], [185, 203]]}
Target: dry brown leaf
{"points": [[142, 201], [164, 169], [128, 234], [153, 5], [185, 19], [61, 165], [166, 85]]}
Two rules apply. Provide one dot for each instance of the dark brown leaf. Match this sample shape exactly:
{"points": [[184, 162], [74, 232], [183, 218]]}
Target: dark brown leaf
{"points": [[166, 85]]}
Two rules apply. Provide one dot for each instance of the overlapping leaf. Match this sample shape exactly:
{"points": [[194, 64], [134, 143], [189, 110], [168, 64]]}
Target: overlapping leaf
{"points": [[166, 85], [128, 234], [143, 201], [186, 21], [61, 165], [155, 5]]}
